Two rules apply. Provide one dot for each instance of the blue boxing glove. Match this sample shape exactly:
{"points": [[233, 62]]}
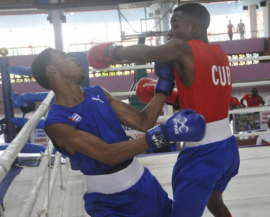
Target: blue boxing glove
{"points": [[185, 125], [165, 74]]}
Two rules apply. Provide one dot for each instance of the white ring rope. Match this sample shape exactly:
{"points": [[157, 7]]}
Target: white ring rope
{"points": [[250, 110], [13, 149], [247, 84], [250, 59], [251, 84], [33, 192], [252, 134], [49, 171], [46, 206], [128, 68], [61, 199], [123, 93]]}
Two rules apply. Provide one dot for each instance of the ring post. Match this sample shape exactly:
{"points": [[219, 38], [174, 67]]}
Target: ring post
{"points": [[6, 85]]}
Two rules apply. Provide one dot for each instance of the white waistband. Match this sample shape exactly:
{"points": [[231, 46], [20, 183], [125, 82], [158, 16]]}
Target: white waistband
{"points": [[215, 131], [116, 182]]}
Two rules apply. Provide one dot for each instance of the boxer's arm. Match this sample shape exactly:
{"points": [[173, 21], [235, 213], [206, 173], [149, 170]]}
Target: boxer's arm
{"points": [[130, 117], [73, 140], [173, 49]]}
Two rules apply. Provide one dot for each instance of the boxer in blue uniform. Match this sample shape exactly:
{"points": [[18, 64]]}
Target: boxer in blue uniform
{"points": [[85, 125]]}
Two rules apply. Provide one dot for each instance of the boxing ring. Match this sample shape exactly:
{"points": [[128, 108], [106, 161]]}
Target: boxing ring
{"points": [[40, 192]]}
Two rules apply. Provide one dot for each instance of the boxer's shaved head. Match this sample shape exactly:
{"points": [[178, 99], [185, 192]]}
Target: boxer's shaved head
{"points": [[189, 22], [38, 68], [195, 13]]}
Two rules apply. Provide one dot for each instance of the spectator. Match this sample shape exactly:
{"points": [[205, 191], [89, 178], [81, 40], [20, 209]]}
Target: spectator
{"points": [[241, 29], [231, 29], [263, 139], [253, 99], [235, 103]]}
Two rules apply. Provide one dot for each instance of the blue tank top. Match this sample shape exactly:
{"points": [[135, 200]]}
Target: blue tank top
{"points": [[94, 115]]}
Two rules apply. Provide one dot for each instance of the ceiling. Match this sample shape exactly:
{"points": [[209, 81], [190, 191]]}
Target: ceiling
{"points": [[31, 7]]}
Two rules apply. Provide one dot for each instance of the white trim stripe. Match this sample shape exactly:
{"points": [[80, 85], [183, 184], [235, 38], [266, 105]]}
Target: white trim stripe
{"points": [[215, 131], [116, 182]]}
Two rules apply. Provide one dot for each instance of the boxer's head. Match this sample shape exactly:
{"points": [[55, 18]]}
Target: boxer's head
{"points": [[268, 121], [51, 65], [189, 21]]}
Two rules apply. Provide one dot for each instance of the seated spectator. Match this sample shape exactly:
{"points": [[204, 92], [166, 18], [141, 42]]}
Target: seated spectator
{"points": [[264, 139], [253, 99], [235, 103]]}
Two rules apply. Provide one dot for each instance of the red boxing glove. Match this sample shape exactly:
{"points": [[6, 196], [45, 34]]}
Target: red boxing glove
{"points": [[146, 89], [102, 55]]}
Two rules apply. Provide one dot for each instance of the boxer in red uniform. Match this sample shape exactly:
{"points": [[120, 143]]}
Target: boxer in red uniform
{"points": [[203, 78]]}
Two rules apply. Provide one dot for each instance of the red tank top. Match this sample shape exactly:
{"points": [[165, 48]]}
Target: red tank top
{"points": [[210, 93]]}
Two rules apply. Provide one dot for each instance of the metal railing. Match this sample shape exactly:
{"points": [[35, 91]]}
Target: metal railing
{"points": [[236, 36], [31, 50]]}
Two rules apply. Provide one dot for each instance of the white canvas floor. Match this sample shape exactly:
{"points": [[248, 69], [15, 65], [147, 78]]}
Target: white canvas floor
{"points": [[248, 194]]}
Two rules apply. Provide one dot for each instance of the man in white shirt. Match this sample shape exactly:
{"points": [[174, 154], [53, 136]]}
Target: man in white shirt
{"points": [[263, 139]]}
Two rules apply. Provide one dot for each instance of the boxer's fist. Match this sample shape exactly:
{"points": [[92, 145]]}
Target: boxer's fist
{"points": [[185, 125], [165, 74], [146, 88], [102, 55]]}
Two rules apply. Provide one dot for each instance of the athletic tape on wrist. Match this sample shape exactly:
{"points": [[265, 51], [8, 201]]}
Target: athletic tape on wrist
{"points": [[156, 138], [164, 86]]}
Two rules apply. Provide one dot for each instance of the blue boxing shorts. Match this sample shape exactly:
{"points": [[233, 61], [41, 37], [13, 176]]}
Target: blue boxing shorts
{"points": [[132, 192], [200, 170]]}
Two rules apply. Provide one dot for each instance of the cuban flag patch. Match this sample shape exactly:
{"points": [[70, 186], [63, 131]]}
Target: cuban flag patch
{"points": [[75, 118]]}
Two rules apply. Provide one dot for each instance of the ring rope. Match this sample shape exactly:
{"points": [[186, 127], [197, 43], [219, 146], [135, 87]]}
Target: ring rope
{"points": [[250, 59], [247, 84], [250, 84], [46, 205], [49, 173], [13, 149], [250, 110], [36, 185], [128, 68], [252, 134], [61, 199], [61, 177]]}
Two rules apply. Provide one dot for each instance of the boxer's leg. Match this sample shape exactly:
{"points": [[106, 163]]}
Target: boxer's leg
{"points": [[197, 172], [216, 205]]}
